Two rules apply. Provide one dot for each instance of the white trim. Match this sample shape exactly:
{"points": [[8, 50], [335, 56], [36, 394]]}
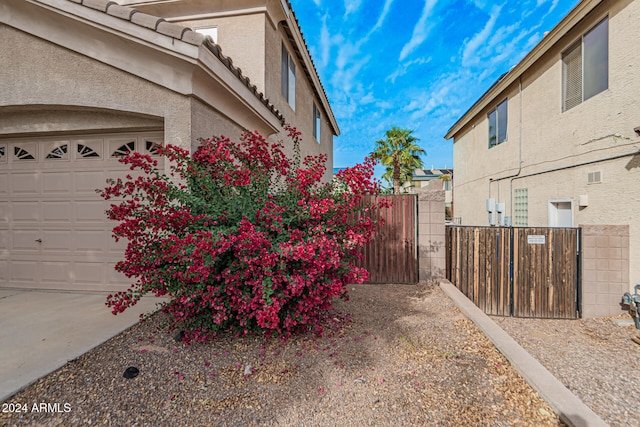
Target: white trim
{"points": [[553, 219]]}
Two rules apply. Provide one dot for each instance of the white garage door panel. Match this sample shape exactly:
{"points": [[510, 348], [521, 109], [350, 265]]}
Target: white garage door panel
{"points": [[86, 211], [4, 213], [91, 272], [57, 241], [57, 211], [86, 183], [23, 271], [92, 240], [25, 183], [56, 182], [25, 240], [57, 272], [25, 212], [54, 233], [4, 182], [116, 247], [4, 271]]}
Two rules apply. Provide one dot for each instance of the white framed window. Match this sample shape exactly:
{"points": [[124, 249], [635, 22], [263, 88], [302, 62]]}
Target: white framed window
{"points": [[317, 123], [585, 66], [209, 31], [498, 124], [288, 77]]}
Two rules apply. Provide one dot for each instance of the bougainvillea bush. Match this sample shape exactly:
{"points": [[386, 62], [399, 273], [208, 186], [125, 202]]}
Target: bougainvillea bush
{"points": [[240, 237]]}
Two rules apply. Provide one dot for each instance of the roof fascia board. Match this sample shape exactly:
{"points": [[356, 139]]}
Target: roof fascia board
{"points": [[225, 14], [550, 40]]}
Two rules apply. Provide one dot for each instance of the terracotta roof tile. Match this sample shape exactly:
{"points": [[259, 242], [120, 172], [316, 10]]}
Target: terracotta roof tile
{"points": [[172, 30], [121, 12], [100, 5], [192, 37], [147, 21]]}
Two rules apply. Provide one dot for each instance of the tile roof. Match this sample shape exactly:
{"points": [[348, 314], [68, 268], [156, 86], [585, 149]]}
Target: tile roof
{"points": [[178, 32]]}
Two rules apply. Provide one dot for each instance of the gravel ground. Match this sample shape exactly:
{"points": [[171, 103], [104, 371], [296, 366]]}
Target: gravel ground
{"points": [[595, 358], [393, 355]]}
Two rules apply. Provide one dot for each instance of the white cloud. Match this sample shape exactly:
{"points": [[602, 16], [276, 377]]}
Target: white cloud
{"points": [[404, 68], [385, 11], [351, 6], [471, 47], [317, 2], [325, 43], [420, 31]]}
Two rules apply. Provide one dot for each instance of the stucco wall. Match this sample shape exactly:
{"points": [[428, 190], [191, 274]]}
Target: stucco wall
{"points": [[206, 123], [554, 142], [242, 38], [302, 116], [255, 45], [38, 73]]}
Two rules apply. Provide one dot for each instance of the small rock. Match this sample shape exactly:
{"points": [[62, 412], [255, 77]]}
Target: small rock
{"points": [[544, 412]]}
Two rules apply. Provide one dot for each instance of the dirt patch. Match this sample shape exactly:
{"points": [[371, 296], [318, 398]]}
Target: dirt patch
{"points": [[392, 355]]}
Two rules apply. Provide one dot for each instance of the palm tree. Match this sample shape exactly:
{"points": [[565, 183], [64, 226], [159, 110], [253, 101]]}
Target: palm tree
{"points": [[400, 154]]}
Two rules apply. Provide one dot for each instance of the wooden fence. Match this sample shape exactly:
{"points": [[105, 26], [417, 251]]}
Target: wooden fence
{"points": [[391, 256], [521, 272]]}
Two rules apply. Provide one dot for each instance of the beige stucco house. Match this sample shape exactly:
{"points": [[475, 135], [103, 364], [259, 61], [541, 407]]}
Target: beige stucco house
{"points": [[82, 81], [557, 138]]}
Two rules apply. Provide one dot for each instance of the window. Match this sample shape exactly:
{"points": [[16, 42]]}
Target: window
{"points": [[288, 78], [521, 207], [585, 66], [317, 123], [209, 31], [498, 124]]}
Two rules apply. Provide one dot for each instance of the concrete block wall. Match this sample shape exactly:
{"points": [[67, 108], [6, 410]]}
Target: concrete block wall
{"points": [[431, 232], [605, 269]]}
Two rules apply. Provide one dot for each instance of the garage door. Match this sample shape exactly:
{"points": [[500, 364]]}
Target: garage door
{"points": [[54, 233]]}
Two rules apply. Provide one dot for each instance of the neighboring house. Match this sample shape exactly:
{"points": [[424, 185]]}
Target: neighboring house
{"points": [[557, 138], [84, 81], [422, 177]]}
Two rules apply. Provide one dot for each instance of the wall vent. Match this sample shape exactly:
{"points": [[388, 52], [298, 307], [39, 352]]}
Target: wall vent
{"points": [[594, 177]]}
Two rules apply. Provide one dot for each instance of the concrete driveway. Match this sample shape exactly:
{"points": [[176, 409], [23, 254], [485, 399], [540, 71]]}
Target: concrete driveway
{"points": [[41, 330]]}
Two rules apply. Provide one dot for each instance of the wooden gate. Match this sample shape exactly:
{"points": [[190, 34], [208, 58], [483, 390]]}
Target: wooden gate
{"points": [[391, 255], [521, 272]]}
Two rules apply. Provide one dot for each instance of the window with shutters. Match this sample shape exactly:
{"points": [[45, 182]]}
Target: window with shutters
{"points": [[288, 77], [498, 124], [585, 66]]}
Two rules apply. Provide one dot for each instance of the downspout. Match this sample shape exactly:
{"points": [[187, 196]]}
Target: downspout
{"points": [[520, 121], [519, 154]]}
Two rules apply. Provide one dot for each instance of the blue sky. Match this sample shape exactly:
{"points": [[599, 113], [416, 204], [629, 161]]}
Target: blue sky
{"points": [[416, 64]]}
